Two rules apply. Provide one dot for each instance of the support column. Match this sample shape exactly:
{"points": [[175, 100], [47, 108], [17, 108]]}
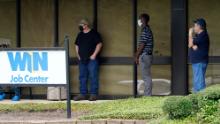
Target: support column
{"points": [[179, 41], [56, 23], [134, 24], [18, 23]]}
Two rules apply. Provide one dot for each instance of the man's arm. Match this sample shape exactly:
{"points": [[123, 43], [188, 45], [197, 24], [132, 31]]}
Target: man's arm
{"points": [[138, 53], [190, 44], [190, 40], [77, 51], [97, 50]]}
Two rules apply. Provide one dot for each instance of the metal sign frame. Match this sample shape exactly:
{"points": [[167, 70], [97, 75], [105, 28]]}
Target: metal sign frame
{"points": [[67, 85]]}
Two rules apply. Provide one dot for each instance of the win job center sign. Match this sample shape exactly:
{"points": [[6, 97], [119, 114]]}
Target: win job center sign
{"points": [[33, 67]]}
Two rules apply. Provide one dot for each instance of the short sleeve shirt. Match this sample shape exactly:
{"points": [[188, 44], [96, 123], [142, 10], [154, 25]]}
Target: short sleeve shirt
{"points": [[146, 37], [202, 53], [87, 43]]}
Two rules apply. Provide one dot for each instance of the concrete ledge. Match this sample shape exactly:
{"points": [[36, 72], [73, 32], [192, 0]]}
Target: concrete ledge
{"points": [[118, 121], [129, 122], [114, 121], [84, 122], [99, 122]]}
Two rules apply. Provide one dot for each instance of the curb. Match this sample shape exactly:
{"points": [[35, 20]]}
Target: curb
{"points": [[118, 121]]}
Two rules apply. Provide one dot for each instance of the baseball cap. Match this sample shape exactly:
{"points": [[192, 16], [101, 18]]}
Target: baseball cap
{"points": [[201, 22], [84, 21]]}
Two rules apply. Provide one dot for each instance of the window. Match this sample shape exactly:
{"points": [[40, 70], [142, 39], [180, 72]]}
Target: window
{"points": [[37, 23], [115, 25], [8, 21]]}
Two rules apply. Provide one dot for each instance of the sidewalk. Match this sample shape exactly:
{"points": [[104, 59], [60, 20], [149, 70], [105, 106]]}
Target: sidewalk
{"points": [[8, 101], [79, 122]]}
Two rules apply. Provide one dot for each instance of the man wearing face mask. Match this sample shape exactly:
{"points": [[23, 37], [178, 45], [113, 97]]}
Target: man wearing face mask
{"points": [[88, 45], [144, 54], [198, 53]]}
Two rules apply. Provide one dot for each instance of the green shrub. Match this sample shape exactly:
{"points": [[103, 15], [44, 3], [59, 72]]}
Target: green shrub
{"points": [[177, 107], [217, 115], [207, 111], [206, 105], [211, 93], [195, 100]]}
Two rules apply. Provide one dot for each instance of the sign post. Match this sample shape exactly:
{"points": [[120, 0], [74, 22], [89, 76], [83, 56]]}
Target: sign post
{"points": [[32, 67], [66, 41]]}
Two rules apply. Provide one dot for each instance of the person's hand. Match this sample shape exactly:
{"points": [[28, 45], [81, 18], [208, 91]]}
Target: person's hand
{"points": [[78, 57], [190, 43], [195, 47], [137, 60], [93, 57], [190, 31]]}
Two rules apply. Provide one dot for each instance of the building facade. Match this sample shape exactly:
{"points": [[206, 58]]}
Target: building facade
{"points": [[44, 23]]}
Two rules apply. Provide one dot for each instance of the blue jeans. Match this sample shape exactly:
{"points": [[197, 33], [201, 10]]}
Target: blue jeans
{"points": [[199, 70], [88, 71]]}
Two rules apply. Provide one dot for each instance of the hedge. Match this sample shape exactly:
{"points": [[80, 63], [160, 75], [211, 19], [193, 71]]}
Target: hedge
{"points": [[205, 105]]}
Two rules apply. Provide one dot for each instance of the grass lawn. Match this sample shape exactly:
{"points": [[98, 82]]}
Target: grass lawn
{"points": [[145, 108]]}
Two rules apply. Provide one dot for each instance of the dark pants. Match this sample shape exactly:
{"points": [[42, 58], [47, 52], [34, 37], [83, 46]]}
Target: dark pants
{"points": [[89, 72]]}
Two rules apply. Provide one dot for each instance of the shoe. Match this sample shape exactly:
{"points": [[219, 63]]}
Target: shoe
{"points": [[93, 98], [79, 97], [16, 98], [2, 96]]}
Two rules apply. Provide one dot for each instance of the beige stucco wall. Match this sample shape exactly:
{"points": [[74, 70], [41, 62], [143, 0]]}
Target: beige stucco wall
{"points": [[36, 23], [8, 21], [116, 28]]}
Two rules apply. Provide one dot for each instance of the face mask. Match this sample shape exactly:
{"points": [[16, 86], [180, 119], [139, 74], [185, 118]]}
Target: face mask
{"points": [[81, 28], [139, 23]]}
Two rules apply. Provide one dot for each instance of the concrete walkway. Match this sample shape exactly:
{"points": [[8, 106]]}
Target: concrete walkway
{"points": [[78, 122], [7, 101]]}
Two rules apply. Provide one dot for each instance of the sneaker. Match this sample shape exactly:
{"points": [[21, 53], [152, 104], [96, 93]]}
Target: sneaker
{"points": [[93, 98], [2, 96], [79, 97], [16, 98]]}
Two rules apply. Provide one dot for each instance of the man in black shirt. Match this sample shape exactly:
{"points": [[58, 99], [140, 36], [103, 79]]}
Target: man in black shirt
{"points": [[88, 45]]}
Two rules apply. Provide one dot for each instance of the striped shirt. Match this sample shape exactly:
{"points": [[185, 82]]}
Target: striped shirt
{"points": [[146, 37]]}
